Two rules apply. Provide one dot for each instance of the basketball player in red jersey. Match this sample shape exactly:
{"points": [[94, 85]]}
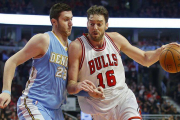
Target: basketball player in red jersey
{"points": [[95, 57]]}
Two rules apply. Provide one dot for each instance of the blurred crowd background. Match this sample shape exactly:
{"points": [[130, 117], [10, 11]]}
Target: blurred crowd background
{"points": [[116, 8], [144, 82]]}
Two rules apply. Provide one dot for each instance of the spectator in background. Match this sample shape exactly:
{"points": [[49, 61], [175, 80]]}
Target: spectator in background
{"points": [[14, 116], [158, 108], [157, 9], [66, 117], [1, 69], [171, 111], [4, 55], [175, 111], [69, 118], [78, 116], [145, 111], [177, 94], [22, 42], [165, 107], [2, 117]]}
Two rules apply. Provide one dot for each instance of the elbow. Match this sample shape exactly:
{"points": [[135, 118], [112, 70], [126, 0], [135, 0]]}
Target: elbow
{"points": [[72, 87], [147, 65], [70, 93], [144, 62], [71, 90]]}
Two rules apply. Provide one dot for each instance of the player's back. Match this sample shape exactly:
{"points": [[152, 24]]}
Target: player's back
{"points": [[48, 76]]}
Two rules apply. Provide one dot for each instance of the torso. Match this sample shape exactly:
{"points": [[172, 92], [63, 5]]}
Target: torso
{"points": [[103, 66], [48, 76]]}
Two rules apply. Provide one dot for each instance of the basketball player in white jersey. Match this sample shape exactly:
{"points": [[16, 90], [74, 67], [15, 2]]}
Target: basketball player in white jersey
{"points": [[95, 56], [45, 90]]}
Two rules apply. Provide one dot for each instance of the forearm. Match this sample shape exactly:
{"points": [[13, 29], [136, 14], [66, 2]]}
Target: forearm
{"points": [[152, 57], [72, 87], [9, 70]]}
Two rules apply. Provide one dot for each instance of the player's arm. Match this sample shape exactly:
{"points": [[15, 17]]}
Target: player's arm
{"points": [[36, 47], [74, 57], [145, 58]]}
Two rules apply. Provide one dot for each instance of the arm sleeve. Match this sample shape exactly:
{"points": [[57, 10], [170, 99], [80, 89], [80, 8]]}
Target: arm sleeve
{"points": [[82, 93]]}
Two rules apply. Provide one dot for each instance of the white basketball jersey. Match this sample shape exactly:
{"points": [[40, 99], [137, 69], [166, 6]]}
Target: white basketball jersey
{"points": [[102, 66]]}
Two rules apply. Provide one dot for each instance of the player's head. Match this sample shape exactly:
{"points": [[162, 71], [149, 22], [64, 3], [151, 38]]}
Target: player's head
{"points": [[61, 18], [97, 22]]}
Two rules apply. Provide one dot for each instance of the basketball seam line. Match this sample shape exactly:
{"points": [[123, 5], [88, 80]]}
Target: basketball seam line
{"points": [[173, 59], [175, 50], [165, 61], [173, 56]]}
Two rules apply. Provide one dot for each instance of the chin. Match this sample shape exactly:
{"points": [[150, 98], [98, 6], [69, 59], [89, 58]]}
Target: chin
{"points": [[96, 39], [68, 33]]}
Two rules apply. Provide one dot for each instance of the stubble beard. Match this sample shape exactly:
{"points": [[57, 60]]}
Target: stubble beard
{"points": [[63, 31], [98, 38]]}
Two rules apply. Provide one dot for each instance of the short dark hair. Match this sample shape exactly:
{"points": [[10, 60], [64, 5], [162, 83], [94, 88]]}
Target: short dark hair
{"points": [[99, 10], [56, 10]]}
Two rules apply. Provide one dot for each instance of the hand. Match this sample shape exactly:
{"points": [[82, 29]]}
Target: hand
{"points": [[173, 43], [5, 99], [98, 93], [85, 85]]}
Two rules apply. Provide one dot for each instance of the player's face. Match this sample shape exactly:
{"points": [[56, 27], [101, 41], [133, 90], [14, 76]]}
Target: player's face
{"points": [[96, 26], [64, 24]]}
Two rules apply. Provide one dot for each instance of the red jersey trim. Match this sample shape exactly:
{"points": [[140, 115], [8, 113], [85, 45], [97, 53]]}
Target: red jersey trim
{"points": [[113, 43], [136, 117], [96, 49], [83, 53]]}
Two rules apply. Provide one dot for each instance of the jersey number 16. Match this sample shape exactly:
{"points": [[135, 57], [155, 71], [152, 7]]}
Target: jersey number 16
{"points": [[111, 79]]}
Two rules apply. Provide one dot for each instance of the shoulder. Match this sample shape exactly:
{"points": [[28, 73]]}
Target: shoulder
{"points": [[39, 42], [41, 37], [117, 38], [75, 44], [75, 48], [114, 35]]}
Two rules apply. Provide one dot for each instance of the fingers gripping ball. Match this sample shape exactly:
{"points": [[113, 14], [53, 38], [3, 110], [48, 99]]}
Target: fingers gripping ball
{"points": [[170, 59]]}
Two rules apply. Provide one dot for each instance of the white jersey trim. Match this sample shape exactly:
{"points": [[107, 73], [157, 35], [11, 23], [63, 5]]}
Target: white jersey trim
{"points": [[29, 110], [30, 82]]}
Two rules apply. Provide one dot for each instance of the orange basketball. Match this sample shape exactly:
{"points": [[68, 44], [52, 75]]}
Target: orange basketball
{"points": [[170, 59]]}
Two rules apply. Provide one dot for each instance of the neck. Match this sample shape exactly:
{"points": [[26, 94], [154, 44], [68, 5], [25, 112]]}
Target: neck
{"points": [[96, 44], [61, 38]]}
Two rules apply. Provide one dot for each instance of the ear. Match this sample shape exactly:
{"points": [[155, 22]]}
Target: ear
{"points": [[53, 21], [107, 25]]}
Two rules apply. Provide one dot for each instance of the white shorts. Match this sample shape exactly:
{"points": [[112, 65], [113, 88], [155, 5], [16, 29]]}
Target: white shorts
{"points": [[28, 109], [127, 109]]}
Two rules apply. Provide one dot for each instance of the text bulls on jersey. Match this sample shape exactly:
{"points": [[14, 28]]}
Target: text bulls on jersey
{"points": [[102, 62]]}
